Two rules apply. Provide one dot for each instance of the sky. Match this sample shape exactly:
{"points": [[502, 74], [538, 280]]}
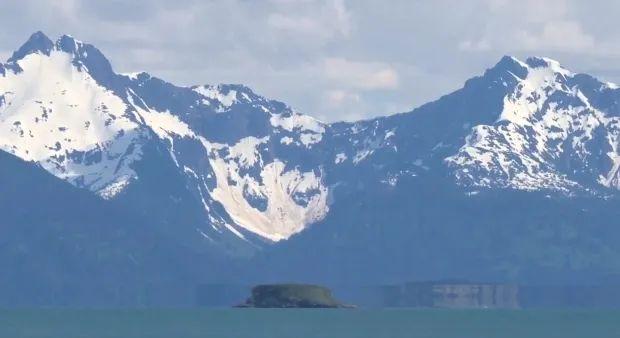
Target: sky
{"points": [[332, 59]]}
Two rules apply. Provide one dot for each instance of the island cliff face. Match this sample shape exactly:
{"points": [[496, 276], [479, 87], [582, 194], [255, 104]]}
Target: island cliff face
{"points": [[453, 295], [292, 296]]}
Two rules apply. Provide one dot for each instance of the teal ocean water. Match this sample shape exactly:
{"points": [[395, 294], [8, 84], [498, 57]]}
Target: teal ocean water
{"points": [[296, 323]]}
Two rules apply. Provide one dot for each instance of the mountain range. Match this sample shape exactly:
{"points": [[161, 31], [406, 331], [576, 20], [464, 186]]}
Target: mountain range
{"points": [[125, 189]]}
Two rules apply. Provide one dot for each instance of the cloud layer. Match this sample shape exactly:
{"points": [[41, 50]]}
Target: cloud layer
{"points": [[334, 59]]}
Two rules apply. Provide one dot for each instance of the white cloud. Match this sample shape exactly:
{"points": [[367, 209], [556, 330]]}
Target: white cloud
{"points": [[529, 11], [66, 7], [303, 25], [4, 55], [361, 75], [342, 17], [475, 46], [325, 20], [559, 35], [529, 25], [349, 105], [338, 97]]}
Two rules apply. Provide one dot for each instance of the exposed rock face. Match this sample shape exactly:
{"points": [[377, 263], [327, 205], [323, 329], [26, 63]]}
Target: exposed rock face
{"points": [[454, 295]]}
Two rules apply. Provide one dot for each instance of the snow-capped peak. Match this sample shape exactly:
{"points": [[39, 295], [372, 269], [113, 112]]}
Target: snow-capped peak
{"points": [[53, 111], [548, 135], [41, 43], [520, 69]]}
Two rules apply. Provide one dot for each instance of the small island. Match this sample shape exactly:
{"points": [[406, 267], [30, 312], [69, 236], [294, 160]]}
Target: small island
{"points": [[292, 296]]}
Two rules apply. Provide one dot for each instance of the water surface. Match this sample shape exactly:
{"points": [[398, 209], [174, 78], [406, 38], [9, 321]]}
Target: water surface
{"points": [[298, 323]]}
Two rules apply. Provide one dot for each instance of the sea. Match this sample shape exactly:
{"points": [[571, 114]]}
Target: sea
{"points": [[309, 323]]}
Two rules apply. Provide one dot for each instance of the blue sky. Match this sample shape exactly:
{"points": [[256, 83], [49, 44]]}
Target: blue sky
{"points": [[333, 59]]}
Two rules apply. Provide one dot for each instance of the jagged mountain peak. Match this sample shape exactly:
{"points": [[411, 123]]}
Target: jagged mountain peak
{"points": [[57, 108], [530, 62], [37, 42], [521, 69], [508, 61], [555, 130], [545, 62], [69, 44], [83, 55]]}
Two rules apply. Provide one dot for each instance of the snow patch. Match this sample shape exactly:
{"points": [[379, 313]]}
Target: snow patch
{"points": [[132, 76], [297, 122], [215, 93], [245, 152], [286, 140], [308, 139], [164, 124], [341, 157]]}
